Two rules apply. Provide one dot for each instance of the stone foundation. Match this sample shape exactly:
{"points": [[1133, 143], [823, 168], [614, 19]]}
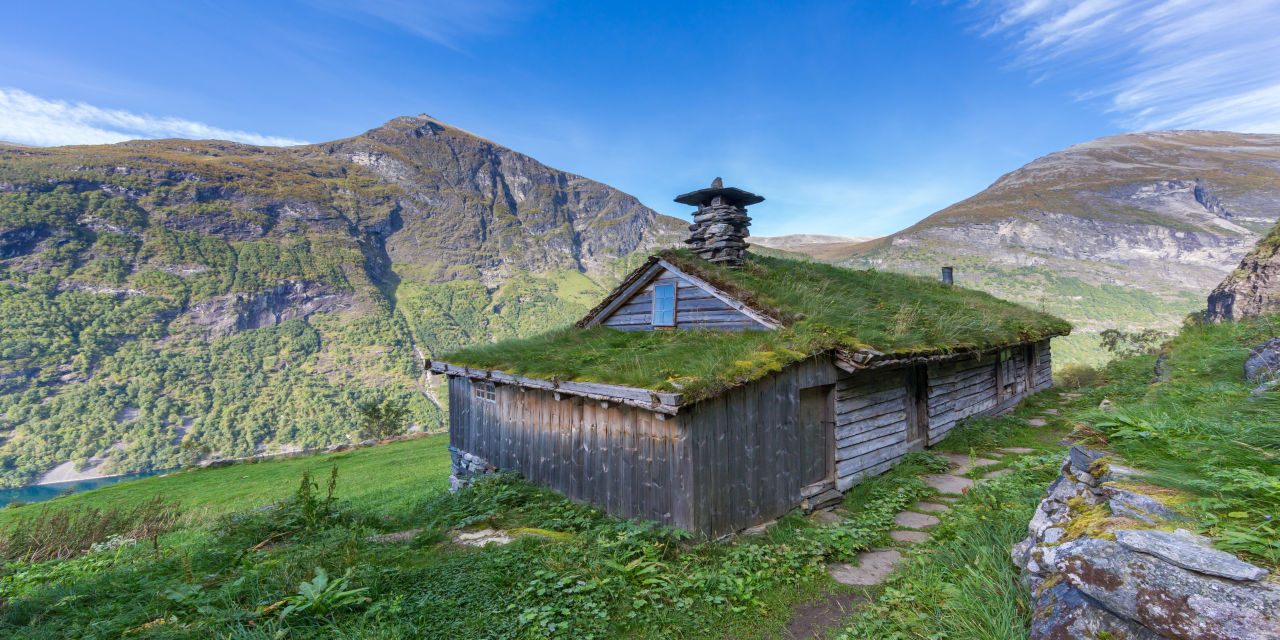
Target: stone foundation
{"points": [[1106, 560], [465, 467]]}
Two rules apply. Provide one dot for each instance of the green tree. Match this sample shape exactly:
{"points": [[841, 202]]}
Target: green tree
{"points": [[382, 420]]}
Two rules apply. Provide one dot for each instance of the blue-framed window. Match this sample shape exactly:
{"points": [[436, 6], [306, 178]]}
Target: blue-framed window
{"points": [[664, 305]]}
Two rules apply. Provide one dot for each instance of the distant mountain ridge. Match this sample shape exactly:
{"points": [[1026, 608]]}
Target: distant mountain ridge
{"points": [[814, 244], [1125, 231], [153, 260]]}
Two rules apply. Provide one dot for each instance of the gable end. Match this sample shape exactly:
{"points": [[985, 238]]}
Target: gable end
{"points": [[697, 305]]}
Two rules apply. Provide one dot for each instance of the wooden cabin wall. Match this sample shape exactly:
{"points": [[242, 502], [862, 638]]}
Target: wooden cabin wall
{"points": [[958, 389], [696, 308], [622, 459], [737, 459], [747, 460], [871, 423], [1043, 375]]}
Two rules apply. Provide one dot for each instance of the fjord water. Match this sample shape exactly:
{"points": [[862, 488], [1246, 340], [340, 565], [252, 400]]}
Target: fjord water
{"points": [[40, 493]]}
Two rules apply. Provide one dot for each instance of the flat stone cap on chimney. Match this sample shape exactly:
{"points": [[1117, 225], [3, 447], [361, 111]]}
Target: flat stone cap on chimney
{"points": [[732, 195]]}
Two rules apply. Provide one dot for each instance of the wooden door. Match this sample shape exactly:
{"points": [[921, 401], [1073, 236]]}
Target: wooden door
{"points": [[817, 434], [917, 407]]}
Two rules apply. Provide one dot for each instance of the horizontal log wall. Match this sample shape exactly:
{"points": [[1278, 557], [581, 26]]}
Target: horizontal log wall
{"points": [[747, 464], [696, 308], [625, 460], [871, 424], [1043, 377], [959, 389], [731, 461]]}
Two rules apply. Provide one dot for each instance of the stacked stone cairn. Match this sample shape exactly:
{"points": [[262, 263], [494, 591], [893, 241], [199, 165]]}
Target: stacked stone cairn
{"points": [[1103, 559], [719, 229]]}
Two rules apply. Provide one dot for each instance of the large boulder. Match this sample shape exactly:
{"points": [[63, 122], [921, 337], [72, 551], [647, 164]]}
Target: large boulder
{"points": [[1063, 612], [1263, 363], [1171, 601], [1188, 551]]}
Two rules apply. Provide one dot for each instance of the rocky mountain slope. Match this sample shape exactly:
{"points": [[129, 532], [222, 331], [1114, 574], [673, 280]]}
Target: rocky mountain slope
{"points": [[1128, 231], [813, 244], [1253, 289], [131, 274]]}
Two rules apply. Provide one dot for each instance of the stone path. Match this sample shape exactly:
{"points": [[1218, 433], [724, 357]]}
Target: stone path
{"points": [[930, 506], [873, 566], [963, 462], [947, 483], [1017, 450], [911, 527]]}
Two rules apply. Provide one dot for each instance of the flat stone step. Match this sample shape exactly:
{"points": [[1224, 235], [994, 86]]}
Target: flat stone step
{"points": [[1017, 450], [947, 483], [913, 520], [759, 529], [994, 474], [930, 506], [911, 537], [961, 460], [873, 567], [1052, 412], [825, 516], [1037, 422], [947, 498]]}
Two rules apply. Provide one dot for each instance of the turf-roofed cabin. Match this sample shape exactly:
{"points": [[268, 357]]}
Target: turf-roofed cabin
{"points": [[714, 389]]}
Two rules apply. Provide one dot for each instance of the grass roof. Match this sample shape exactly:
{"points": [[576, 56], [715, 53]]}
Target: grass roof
{"points": [[824, 307]]}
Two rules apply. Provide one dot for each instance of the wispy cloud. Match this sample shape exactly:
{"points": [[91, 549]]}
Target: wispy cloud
{"points": [[29, 119], [1155, 64], [444, 22]]}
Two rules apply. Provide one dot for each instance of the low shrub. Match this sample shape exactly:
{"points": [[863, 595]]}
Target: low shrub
{"points": [[1076, 376]]}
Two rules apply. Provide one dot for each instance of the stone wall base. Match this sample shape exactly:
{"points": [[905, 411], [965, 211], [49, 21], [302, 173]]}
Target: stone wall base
{"points": [[465, 467]]}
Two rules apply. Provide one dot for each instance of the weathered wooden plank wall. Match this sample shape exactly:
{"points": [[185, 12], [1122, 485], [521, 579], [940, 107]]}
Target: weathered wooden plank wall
{"points": [[747, 462], [696, 308], [734, 460], [871, 423], [959, 389], [1043, 376], [625, 460]]}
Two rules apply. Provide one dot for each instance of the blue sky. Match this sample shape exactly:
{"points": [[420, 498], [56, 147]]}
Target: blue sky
{"points": [[850, 117]]}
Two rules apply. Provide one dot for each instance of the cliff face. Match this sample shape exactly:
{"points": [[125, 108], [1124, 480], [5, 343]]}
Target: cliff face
{"points": [[148, 259], [1253, 289], [466, 201], [1127, 231]]}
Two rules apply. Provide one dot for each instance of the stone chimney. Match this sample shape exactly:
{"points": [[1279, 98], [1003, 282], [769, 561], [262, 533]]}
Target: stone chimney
{"points": [[719, 229]]}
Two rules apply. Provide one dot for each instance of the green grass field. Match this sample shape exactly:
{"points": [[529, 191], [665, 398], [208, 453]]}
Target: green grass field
{"points": [[380, 479]]}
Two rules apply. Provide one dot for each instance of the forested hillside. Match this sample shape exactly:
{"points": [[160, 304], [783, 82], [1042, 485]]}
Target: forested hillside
{"points": [[224, 299]]}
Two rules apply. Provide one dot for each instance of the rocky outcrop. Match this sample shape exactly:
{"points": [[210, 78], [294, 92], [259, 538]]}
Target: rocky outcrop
{"points": [[1253, 289], [1102, 563], [228, 314]]}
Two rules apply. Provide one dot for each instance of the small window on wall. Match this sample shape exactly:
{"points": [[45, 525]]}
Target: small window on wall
{"points": [[664, 305], [485, 391]]}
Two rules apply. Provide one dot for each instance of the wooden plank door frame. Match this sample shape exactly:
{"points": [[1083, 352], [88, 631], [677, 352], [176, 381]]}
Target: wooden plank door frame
{"points": [[917, 406], [827, 422]]}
